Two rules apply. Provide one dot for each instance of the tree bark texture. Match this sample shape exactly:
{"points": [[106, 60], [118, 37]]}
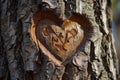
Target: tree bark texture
{"points": [[21, 59]]}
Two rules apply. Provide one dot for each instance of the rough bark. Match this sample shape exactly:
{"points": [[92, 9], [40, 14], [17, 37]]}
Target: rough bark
{"points": [[22, 59]]}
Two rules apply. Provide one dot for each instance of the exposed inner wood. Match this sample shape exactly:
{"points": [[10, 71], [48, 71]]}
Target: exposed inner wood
{"points": [[61, 40]]}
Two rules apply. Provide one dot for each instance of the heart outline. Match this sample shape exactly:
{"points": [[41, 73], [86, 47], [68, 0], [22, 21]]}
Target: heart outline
{"points": [[39, 17]]}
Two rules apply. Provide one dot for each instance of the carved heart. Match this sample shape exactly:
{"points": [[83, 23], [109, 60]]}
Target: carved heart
{"points": [[62, 39]]}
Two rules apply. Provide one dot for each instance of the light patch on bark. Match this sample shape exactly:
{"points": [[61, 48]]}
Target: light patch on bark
{"points": [[104, 16], [111, 63], [79, 6], [112, 68], [96, 68], [97, 48]]}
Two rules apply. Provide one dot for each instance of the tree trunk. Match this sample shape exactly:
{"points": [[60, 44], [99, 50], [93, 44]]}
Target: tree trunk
{"points": [[24, 57]]}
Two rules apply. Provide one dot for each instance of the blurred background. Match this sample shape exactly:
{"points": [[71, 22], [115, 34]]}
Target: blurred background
{"points": [[116, 27]]}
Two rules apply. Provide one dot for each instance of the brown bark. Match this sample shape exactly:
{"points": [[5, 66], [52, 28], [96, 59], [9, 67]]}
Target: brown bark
{"points": [[22, 59]]}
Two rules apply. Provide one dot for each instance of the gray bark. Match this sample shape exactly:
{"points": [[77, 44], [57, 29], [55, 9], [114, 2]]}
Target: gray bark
{"points": [[22, 59]]}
